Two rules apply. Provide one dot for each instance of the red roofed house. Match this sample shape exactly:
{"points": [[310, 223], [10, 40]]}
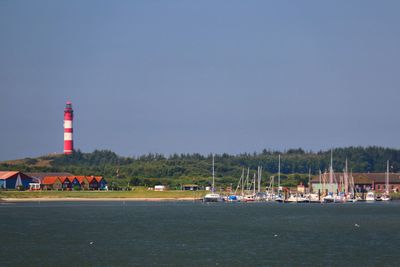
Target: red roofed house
{"points": [[51, 183], [96, 182], [66, 183], [75, 184], [14, 179], [84, 182]]}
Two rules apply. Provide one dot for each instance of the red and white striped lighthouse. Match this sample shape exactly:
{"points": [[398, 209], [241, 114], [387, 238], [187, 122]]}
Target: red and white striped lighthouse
{"points": [[68, 117]]}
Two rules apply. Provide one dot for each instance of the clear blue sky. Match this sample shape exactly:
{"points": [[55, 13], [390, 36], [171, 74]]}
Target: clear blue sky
{"points": [[199, 76]]}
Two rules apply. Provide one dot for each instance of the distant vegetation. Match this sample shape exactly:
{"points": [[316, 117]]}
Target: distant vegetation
{"points": [[175, 170]]}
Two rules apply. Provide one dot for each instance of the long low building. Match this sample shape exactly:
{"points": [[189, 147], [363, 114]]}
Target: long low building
{"points": [[14, 180], [363, 182], [39, 176], [73, 182], [50, 181]]}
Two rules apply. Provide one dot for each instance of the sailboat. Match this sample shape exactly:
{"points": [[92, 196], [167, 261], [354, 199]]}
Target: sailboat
{"points": [[370, 197], [251, 197], [312, 197], [386, 196], [330, 197], [235, 197], [260, 195], [348, 185], [213, 197], [279, 197], [270, 191]]}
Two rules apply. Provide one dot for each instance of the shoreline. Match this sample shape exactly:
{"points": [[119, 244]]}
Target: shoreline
{"points": [[77, 199]]}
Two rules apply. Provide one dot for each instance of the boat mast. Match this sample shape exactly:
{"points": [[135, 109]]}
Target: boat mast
{"points": [[247, 180], [259, 178], [254, 183], [387, 178], [320, 182], [272, 185], [331, 172], [352, 187], [309, 180], [213, 174], [240, 182], [346, 180], [279, 173]]}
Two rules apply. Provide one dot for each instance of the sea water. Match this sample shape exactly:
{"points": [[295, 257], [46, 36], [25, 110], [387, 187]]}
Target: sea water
{"points": [[199, 234]]}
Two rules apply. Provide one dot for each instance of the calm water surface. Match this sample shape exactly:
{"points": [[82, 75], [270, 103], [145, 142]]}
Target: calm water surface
{"points": [[197, 234]]}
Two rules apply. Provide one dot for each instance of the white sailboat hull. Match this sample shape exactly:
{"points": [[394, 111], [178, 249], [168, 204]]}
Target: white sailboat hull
{"points": [[213, 198]]}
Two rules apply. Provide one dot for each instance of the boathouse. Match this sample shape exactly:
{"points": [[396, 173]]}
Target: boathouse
{"points": [[190, 187], [14, 180], [363, 182], [96, 182], [75, 184], [83, 182], [377, 181], [51, 183], [66, 183], [39, 176]]}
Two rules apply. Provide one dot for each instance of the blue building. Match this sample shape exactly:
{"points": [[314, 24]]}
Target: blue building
{"points": [[14, 179]]}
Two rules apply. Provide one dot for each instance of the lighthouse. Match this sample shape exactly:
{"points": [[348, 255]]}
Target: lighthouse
{"points": [[68, 117]]}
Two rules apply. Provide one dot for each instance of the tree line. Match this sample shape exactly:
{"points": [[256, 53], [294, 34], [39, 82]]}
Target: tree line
{"points": [[185, 168]]}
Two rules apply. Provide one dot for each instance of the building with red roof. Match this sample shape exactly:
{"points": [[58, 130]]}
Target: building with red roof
{"points": [[73, 182], [14, 180], [66, 182], [84, 182], [96, 182], [51, 183]]}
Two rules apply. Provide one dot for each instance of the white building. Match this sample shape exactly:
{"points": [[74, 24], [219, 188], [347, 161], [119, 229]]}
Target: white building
{"points": [[159, 188]]}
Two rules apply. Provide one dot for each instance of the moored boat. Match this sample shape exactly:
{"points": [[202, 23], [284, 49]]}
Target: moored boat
{"points": [[233, 198], [370, 196], [386, 196], [296, 198], [279, 198], [213, 197], [314, 198], [249, 198], [339, 198], [261, 196], [329, 198]]}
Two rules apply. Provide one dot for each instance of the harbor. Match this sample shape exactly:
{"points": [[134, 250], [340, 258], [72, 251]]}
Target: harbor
{"points": [[327, 187]]}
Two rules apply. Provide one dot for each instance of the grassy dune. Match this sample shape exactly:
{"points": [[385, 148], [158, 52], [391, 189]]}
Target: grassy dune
{"points": [[136, 193]]}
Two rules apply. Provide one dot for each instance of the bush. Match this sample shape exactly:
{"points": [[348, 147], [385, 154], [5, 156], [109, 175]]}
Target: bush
{"points": [[77, 187], [135, 181], [21, 188]]}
